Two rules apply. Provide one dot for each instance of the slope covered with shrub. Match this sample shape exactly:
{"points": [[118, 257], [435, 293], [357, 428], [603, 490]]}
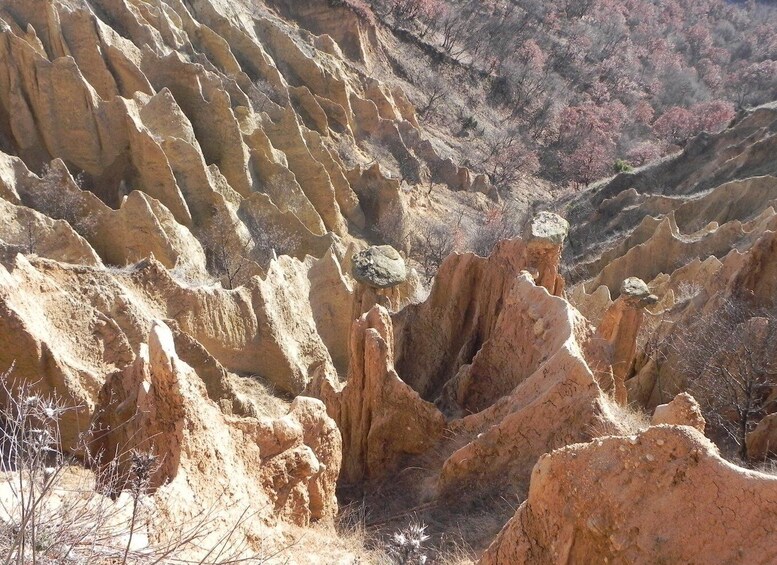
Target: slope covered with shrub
{"points": [[568, 88]]}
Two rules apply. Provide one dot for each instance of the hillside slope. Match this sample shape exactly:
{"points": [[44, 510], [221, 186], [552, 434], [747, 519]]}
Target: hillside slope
{"points": [[572, 90], [698, 226], [187, 192]]}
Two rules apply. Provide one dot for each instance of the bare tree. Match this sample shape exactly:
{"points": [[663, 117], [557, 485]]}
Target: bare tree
{"points": [[437, 92], [507, 159], [453, 31], [434, 243], [29, 231], [227, 253], [728, 358]]}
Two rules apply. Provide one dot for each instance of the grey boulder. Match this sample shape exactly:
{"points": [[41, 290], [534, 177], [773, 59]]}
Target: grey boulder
{"points": [[379, 266]]}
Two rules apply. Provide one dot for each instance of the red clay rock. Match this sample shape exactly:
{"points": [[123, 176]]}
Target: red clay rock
{"points": [[683, 410], [437, 337], [663, 496], [381, 418]]}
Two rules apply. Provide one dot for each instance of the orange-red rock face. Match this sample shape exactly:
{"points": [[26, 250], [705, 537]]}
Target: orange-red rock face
{"points": [[275, 469], [663, 494], [381, 418]]}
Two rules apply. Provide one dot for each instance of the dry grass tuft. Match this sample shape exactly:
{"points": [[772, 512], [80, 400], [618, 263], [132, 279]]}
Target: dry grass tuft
{"points": [[768, 467], [617, 420], [264, 396], [346, 541]]}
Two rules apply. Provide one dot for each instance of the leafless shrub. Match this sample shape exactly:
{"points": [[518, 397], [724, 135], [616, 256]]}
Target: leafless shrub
{"points": [[237, 247], [263, 96], [271, 240], [62, 202], [391, 226], [49, 509], [406, 545], [501, 221], [226, 252], [508, 159], [28, 235], [437, 92], [687, 290], [55, 510]]}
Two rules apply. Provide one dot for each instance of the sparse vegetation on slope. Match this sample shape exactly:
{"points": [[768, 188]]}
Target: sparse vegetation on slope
{"points": [[581, 85]]}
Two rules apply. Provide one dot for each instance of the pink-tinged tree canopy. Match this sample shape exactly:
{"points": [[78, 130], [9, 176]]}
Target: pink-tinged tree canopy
{"points": [[531, 55], [675, 125], [751, 80], [589, 161], [643, 113], [636, 75], [643, 153], [712, 116]]}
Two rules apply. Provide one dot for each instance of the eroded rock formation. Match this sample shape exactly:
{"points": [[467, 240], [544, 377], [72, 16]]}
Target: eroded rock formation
{"points": [[545, 234], [379, 271], [381, 418], [275, 469], [379, 267], [186, 189], [762, 441], [638, 498], [683, 410], [437, 337], [616, 335], [511, 377], [699, 228], [209, 110], [549, 395]]}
